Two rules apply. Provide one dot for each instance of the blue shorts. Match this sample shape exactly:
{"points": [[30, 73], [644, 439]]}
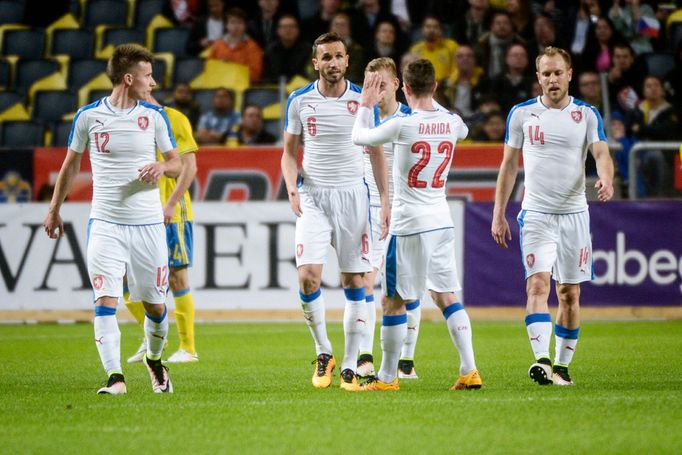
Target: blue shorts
{"points": [[179, 239]]}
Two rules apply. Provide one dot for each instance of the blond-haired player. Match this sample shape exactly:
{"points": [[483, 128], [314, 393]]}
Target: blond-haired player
{"points": [[179, 236]]}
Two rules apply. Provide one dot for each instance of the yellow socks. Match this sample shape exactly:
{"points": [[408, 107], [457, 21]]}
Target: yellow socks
{"points": [[184, 318]]}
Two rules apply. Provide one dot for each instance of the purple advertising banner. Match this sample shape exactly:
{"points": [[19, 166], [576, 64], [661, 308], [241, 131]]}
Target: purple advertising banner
{"points": [[637, 253]]}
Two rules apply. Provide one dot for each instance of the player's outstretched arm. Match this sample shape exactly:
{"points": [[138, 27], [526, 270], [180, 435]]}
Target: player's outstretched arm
{"points": [[602, 157], [380, 171], [290, 170], [53, 224], [509, 169], [183, 182]]}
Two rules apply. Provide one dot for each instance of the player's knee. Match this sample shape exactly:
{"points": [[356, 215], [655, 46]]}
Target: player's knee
{"points": [[178, 280], [537, 288], [568, 294], [154, 310], [107, 301]]}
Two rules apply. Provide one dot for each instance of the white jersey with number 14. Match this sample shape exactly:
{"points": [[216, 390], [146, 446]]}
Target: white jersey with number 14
{"points": [[424, 144]]}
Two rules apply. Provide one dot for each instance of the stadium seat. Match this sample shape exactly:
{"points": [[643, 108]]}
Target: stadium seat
{"points": [[12, 11], [25, 43], [60, 133], [273, 127], [159, 72], [22, 134], [51, 105], [261, 96], [5, 74], [173, 40], [8, 99], [187, 69], [659, 63], [204, 97], [98, 94], [145, 10], [31, 70], [116, 36], [105, 12], [82, 71], [75, 43]]}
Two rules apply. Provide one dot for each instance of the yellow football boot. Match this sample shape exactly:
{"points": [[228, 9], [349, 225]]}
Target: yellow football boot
{"points": [[322, 375], [349, 381], [375, 385], [471, 380]]}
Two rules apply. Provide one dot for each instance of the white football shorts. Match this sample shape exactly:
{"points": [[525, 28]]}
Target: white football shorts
{"points": [[377, 247], [418, 262], [559, 244], [139, 250], [336, 216]]}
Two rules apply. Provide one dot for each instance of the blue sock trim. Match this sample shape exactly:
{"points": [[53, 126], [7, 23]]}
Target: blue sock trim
{"points": [[181, 292], [160, 319], [125, 289], [396, 319], [563, 332], [538, 317], [412, 305], [447, 312], [354, 294], [307, 298], [104, 311], [369, 298]]}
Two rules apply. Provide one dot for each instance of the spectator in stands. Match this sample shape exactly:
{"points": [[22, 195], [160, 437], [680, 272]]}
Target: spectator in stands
{"points": [[208, 28], [589, 88], [356, 56], [514, 86], [487, 105], [637, 22], [544, 34], [434, 47], [462, 90], [184, 12], [385, 42], [599, 54], [581, 41], [184, 102], [221, 122], [491, 48], [520, 14], [236, 46], [320, 22], [471, 26], [625, 78], [262, 27], [622, 157], [288, 56], [366, 17], [251, 131], [655, 120], [492, 129]]}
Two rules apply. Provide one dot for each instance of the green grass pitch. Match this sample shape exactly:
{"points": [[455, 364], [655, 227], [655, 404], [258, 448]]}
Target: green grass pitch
{"points": [[251, 393]]}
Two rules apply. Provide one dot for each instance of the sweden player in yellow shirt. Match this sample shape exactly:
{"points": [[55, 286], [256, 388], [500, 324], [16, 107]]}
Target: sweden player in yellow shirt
{"points": [[178, 217]]}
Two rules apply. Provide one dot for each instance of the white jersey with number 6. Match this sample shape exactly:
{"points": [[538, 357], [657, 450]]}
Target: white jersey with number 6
{"points": [[424, 143], [554, 143], [120, 142]]}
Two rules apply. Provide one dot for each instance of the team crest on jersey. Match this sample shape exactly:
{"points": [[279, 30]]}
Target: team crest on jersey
{"points": [[97, 282], [530, 260], [352, 106], [143, 122], [577, 116]]}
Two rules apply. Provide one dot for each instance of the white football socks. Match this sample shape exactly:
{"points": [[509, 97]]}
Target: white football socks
{"points": [[108, 339], [393, 333], [367, 340], [354, 326], [414, 316], [314, 314], [566, 341], [539, 328], [459, 327], [156, 330]]}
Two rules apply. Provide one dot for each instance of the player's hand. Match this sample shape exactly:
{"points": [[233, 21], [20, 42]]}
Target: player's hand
{"points": [[295, 201], [150, 173], [385, 221], [604, 190], [168, 212], [53, 225], [371, 89], [500, 231]]}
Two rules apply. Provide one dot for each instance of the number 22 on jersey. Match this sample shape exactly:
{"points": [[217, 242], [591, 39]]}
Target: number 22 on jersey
{"points": [[424, 148]]}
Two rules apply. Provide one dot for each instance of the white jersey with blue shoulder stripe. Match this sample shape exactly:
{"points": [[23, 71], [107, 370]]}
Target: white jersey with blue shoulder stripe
{"points": [[120, 142], [329, 156], [554, 144]]}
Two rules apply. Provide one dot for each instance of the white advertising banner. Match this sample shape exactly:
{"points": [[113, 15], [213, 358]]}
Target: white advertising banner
{"points": [[243, 258]]}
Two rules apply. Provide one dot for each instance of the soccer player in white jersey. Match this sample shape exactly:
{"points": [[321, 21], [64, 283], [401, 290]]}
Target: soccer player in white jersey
{"points": [[388, 107], [126, 229], [330, 201], [420, 250], [554, 131]]}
